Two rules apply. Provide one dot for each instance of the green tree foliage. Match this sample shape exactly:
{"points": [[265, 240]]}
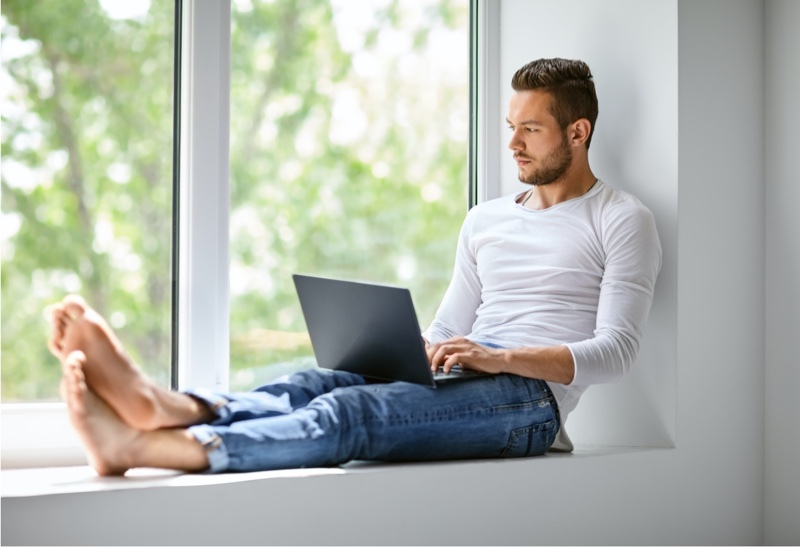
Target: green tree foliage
{"points": [[86, 179], [348, 159]]}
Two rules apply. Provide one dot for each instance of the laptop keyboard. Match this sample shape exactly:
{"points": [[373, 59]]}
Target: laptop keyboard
{"points": [[455, 372]]}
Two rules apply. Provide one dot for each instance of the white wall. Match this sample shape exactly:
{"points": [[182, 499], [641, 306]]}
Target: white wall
{"points": [[720, 263], [782, 491], [632, 49], [709, 489]]}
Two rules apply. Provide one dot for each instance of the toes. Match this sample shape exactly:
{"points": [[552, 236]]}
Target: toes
{"points": [[73, 382], [55, 346], [74, 306], [63, 316], [73, 364], [57, 317]]}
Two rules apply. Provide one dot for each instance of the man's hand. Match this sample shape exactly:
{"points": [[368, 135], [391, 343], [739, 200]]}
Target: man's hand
{"points": [[550, 363], [468, 354]]}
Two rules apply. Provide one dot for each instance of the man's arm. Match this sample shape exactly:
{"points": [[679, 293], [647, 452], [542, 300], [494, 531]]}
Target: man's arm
{"points": [[549, 363], [631, 266], [632, 262]]}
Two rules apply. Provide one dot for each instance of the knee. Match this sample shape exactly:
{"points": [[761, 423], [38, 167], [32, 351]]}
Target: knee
{"points": [[325, 379], [309, 376], [312, 382]]}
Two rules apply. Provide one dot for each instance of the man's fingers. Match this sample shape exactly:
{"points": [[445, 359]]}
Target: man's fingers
{"points": [[451, 361], [430, 351], [448, 356], [465, 353], [449, 353], [439, 354]]}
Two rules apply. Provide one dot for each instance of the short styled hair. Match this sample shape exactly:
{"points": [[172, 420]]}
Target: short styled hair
{"points": [[570, 85]]}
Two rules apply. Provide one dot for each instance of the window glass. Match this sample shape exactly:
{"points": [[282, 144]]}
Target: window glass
{"points": [[349, 140], [86, 178]]}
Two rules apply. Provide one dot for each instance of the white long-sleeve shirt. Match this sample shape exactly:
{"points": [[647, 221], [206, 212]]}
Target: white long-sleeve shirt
{"points": [[580, 273]]}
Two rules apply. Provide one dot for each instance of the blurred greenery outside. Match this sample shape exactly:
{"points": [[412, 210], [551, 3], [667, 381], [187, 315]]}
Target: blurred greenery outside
{"points": [[348, 158]]}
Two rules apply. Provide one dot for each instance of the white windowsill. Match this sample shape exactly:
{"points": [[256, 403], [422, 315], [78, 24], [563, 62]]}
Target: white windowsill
{"points": [[362, 503], [38, 435], [83, 479]]}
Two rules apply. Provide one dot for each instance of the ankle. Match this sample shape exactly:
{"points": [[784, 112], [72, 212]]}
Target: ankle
{"points": [[146, 414], [182, 410], [133, 453]]}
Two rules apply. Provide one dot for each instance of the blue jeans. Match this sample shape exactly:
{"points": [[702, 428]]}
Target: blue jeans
{"points": [[319, 418]]}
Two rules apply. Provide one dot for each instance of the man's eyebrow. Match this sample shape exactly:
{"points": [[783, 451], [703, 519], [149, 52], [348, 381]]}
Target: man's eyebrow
{"points": [[525, 122]]}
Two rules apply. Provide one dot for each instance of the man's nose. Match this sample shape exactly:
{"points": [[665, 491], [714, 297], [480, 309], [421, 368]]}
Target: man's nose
{"points": [[515, 143]]}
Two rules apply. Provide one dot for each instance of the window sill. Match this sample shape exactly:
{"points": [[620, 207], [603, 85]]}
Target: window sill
{"points": [[362, 503], [83, 479], [38, 435]]}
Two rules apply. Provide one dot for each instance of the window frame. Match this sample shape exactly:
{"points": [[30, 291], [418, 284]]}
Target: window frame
{"points": [[485, 139], [203, 301], [200, 208], [200, 316]]}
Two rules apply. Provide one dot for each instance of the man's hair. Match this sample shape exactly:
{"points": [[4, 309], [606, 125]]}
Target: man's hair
{"points": [[570, 85]]}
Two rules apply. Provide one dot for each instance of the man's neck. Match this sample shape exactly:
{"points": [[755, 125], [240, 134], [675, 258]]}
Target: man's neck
{"points": [[572, 186]]}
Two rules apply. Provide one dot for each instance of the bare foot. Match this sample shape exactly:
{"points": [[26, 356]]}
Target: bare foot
{"points": [[112, 446], [111, 375], [107, 369], [106, 438]]}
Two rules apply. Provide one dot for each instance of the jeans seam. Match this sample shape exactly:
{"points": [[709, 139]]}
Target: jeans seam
{"points": [[522, 406], [397, 419]]}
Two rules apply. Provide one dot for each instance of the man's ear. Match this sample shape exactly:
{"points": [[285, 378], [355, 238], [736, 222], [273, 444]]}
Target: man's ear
{"points": [[579, 131]]}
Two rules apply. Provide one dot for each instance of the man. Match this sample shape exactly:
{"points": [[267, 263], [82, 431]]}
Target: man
{"points": [[550, 293]]}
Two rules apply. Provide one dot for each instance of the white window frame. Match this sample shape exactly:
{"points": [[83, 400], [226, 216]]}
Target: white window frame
{"points": [[203, 310], [203, 294], [487, 60], [203, 302]]}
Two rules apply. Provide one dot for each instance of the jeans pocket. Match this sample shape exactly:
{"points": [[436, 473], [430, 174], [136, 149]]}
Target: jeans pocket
{"points": [[531, 440]]}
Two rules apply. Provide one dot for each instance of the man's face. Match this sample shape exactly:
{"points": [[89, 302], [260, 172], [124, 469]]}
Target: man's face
{"points": [[541, 149]]}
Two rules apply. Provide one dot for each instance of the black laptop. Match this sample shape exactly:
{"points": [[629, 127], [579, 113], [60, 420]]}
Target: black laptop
{"points": [[368, 329]]}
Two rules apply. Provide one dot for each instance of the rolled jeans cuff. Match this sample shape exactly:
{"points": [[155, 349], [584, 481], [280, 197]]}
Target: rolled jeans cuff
{"points": [[215, 449], [215, 403]]}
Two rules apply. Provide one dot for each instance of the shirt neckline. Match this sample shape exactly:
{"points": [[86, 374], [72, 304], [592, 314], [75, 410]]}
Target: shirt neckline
{"points": [[596, 187]]}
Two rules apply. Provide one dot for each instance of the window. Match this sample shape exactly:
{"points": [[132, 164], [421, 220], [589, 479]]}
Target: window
{"points": [[86, 178], [357, 167], [348, 158]]}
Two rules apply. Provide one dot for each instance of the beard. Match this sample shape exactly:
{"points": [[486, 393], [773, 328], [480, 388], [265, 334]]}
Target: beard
{"points": [[553, 166]]}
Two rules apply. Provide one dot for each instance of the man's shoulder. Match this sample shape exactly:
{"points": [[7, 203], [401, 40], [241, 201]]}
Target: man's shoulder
{"points": [[492, 206], [624, 218], [498, 202], [616, 203]]}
